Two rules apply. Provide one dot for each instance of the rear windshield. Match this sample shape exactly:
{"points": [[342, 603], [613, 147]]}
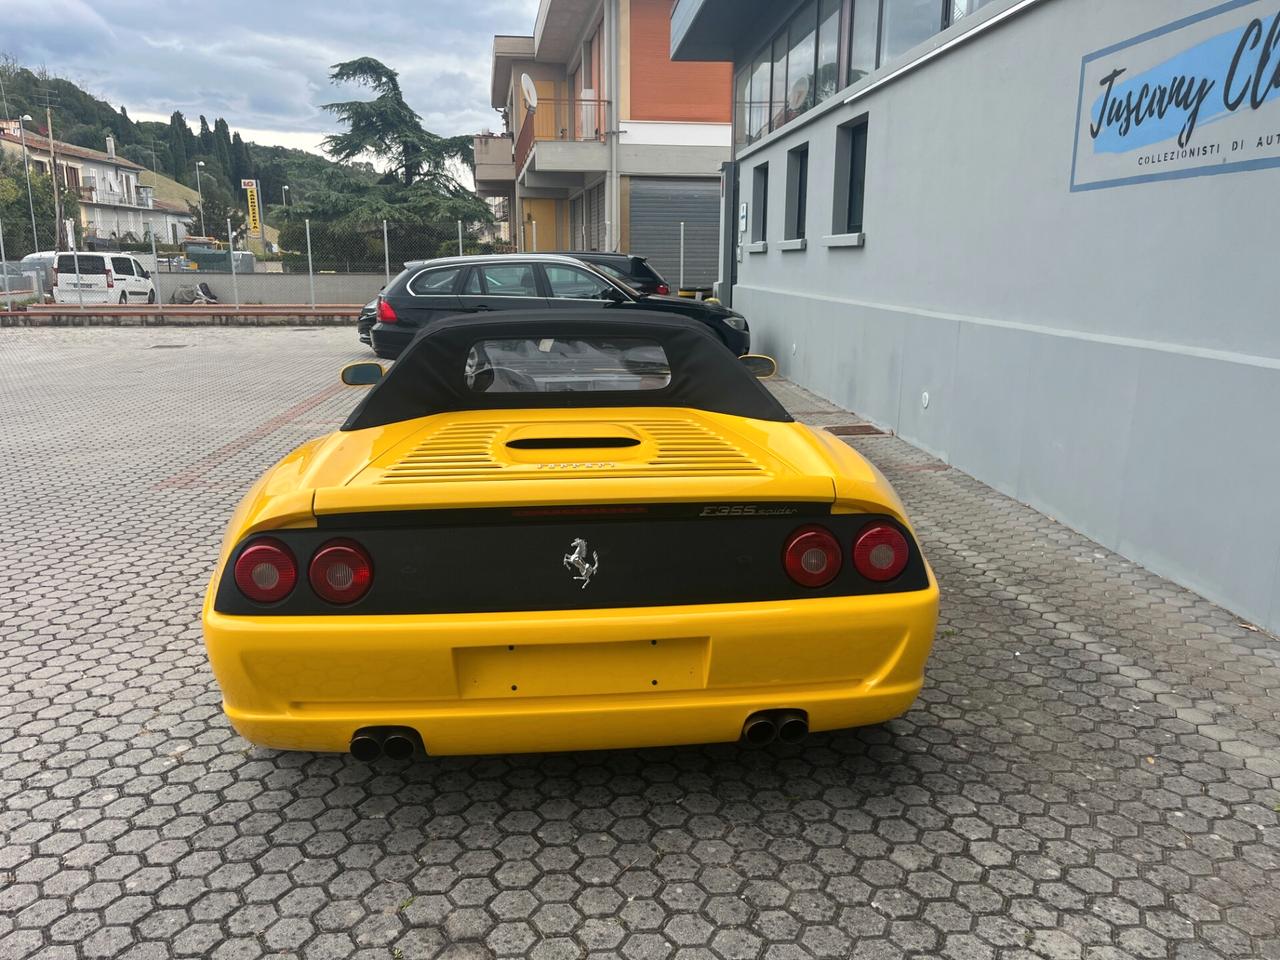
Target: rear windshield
{"points": [[89, 263], [642, 270], [566, 365]]}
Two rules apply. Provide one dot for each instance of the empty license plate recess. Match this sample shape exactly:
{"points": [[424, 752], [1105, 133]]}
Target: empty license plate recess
{"points": [[581, 669]]}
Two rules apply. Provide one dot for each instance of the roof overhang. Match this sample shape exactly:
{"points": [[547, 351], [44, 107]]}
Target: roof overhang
{"points": [[559, 25], [719, 29], [505, 50]]}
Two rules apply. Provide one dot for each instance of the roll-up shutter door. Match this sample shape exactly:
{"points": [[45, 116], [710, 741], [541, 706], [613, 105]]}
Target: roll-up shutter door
{"points": [[657, 208], [595, 217]]}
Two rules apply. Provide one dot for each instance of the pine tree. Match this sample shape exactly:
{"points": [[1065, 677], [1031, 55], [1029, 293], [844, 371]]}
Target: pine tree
{"points": [[222, 147], [178, 147], [241, 162], [206, 138]]}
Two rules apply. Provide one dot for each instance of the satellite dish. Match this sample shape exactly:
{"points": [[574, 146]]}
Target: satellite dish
{"points": [[799, 94], [530, 91]]}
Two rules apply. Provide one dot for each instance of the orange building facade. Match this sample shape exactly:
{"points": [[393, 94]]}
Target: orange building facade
{"points": [[607, 144]]}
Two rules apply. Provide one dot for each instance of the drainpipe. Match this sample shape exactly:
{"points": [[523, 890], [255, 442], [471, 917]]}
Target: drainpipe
{"points": [[613, 203]]}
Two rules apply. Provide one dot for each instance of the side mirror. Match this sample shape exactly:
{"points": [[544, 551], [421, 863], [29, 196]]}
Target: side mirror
{"points": [[759, 366], [362, 374]]}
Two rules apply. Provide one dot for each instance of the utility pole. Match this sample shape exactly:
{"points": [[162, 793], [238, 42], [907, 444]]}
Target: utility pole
{"points": [[53, 168]]}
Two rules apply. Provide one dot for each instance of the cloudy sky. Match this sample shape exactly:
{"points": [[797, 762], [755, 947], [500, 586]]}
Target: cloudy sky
{"points": [[264, 65]]}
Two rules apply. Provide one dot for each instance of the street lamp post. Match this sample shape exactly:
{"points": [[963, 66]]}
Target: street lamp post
{"points": [[284, 196], [26, 167], [200, 191]]}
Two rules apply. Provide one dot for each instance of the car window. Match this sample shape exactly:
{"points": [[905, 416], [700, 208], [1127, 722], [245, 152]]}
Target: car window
{"points": [[123, 266], [571, 283], [435, 282], [558, 365], [515, 280], [472, 285], [89, 263], [610, 269]]}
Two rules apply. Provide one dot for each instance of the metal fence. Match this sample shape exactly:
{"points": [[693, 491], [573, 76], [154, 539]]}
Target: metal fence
{"points": [[313, 264]]}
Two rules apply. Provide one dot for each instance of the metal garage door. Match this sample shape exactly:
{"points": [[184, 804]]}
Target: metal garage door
{"points": [[595, 218], [657, 207]]}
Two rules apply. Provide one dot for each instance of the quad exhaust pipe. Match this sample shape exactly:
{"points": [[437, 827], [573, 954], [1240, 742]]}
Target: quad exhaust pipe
{"points": [[394, 743], [785, 726]]}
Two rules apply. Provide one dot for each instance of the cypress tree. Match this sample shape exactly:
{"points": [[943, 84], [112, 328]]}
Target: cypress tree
{"points": [[178, 147]]}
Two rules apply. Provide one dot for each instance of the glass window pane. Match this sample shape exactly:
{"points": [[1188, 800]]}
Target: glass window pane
{"points": [[800, 87], [862, 38], [559, 366], [434, 282], [513, 281], [907, 23], [778, 92], [857, 176], [828, 48], [123, 266], [741, 106], [759, 123], [570, 283], [958, 9]]}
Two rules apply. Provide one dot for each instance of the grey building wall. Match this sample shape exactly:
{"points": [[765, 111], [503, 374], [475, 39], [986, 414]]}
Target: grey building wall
{"points": [[1110, 357]]}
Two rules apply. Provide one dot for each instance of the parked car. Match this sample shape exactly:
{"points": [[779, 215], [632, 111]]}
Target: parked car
{"points": [[566, 529], [365, 321], [429, 290], [102, 278], [634, 271]]}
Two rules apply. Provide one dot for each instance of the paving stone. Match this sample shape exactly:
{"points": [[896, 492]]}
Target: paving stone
{"points": [[1092, 770]]}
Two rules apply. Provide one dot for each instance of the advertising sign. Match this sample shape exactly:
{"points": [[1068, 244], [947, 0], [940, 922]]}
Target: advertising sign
{"points": [[1197, 96], [255, 215]]}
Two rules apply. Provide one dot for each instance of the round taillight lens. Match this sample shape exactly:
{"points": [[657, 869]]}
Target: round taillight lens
{"points": [[265, 571], [880, 552], [812, 557], [341, 572]]}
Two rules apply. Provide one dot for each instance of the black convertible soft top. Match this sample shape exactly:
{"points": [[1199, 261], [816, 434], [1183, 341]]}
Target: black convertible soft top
{"points": [[430, 376]]}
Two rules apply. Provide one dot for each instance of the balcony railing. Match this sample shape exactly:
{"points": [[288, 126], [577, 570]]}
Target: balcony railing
{"points": [[561, 118]]}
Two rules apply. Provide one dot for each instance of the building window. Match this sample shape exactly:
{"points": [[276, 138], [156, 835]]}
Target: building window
{"points": [[741, 106], [778, 89], [800, 62], [760, 203], [797, 191], [828, 49], [758, 124], [959, 9], [863, 38], [851, 176], [906, 23]]}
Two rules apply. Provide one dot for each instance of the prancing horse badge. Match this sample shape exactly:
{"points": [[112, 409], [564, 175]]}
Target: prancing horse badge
{"points": [[576, 561]]}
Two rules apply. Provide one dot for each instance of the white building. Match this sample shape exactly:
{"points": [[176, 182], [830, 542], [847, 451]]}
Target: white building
{"points": [[114, 206], [1036, 238]]}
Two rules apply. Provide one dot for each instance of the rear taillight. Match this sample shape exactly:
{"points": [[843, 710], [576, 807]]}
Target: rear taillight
{"points": [[385, 313], [341, 572], [880, 552], [266, 571], [663, 289], [111, 279], [812, 557]]}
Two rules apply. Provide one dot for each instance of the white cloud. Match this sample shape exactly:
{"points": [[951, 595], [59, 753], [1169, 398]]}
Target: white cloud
{"points": [[265, 66]]}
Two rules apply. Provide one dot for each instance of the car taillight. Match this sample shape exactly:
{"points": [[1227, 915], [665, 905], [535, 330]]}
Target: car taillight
{"points": [[663, 289], [341, 572], [266, 571], [385, 313], [880, 552], [111, 279], [812, 557]]}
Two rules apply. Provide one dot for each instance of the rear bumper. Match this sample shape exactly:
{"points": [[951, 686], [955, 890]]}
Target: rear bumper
{"points": [[388, 340], [571, 680], [85, 296]]}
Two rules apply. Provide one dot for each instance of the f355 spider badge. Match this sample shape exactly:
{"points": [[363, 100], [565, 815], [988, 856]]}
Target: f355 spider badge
{"points": [[576, 560]]}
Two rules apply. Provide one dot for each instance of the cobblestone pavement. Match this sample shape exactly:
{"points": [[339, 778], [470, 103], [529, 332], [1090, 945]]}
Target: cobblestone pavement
{"points": [[1091, 771]]}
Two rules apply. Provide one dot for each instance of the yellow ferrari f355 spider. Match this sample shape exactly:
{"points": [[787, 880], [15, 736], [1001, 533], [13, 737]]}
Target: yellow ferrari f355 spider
{"points": [[564, 531]]}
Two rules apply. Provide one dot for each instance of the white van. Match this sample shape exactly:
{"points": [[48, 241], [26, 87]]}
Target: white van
{"points": [[102, 278]]}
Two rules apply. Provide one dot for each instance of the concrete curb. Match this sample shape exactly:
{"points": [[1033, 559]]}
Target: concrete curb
{"points": [[244, 319]]}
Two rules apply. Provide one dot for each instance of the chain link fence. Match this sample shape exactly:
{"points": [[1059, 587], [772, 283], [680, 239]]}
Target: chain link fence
{"points": [[311, 264]]}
